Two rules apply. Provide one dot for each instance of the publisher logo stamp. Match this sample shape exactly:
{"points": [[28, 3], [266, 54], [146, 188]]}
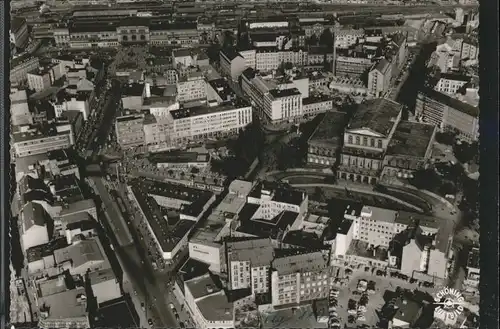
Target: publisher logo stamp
{"points": [[450, 303]]}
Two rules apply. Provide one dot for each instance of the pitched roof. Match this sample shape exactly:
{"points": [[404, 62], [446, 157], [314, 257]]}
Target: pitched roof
{"points": [[33, 214]]}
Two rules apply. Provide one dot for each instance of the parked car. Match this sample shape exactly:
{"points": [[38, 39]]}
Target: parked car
{"points": [[150, 322]]}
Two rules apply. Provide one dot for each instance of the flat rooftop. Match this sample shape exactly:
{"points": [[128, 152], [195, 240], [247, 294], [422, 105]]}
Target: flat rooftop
{"points": [[330, 130], [304, 262], [216, 225], [411, 139], [204, 109], [216, 307], [259, 252], [451, 102], [301, 317], [178, 157], [377, 115]]}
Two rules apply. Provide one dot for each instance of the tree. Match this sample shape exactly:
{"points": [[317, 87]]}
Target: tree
{"points": [[426, 179], [465, 152], [313, 40], [195, 170], [326, 39], [446, 138]]}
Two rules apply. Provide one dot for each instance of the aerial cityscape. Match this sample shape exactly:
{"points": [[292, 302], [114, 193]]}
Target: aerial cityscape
{"points": [[231, 164]]}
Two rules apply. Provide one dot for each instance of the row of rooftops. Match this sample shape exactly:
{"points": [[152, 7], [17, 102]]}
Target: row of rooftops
{"points": [[264, 252], [168, 232]]}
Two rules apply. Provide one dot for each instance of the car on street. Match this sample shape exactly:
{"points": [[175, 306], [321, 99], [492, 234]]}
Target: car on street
{"points": [[150, 322]]}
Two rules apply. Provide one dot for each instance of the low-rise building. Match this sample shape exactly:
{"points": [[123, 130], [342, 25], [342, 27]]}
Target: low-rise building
{"points": [[61, 306], [34, 226], [313, 105], [30, 140], [208, 304], [19, 109], [473, 269], [451, 83]]}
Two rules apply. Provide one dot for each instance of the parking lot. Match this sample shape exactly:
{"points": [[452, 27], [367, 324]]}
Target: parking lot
{"points": [[349, 296]]}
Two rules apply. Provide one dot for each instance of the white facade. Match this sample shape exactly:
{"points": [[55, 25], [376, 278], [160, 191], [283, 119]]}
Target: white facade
{"points": [[211, 254], [193, 88], [73, 105], [449, 86], [29, 143]]}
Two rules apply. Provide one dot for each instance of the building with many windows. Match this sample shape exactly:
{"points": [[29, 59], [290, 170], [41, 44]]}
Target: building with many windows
{"points": [[299, 278], [450, 84], [45, 76], [130, 130], [19, 33], [379, 78], [31, 140], [248, 264], [448, 113], [366, 139], [20, 66], [191, 87]]}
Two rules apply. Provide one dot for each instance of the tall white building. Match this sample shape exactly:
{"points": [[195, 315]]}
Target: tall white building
{"points": [[248, 264], [300, 278]]}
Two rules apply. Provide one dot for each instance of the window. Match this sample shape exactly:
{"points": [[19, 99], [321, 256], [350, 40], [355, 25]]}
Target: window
{"points": [[372, 142], [365, 141], [379, 142], [349, 139], [357, 140]]}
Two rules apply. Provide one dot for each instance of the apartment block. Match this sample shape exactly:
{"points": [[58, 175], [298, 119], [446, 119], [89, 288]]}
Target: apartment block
{"points": [[192, 87], [45, 77], [248, 264], [232, 63], [18, 33], [20, 66], [130, 130], [299, 279], [379, 78], [449, 83]]}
